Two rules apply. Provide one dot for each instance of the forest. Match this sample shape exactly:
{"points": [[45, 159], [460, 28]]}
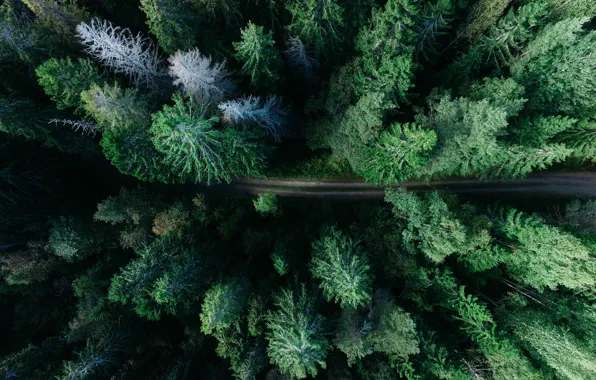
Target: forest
{"points": [[121, 259]]}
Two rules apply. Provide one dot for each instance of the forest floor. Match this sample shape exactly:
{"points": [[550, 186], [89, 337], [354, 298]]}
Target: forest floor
{"points": [[557, 184]]}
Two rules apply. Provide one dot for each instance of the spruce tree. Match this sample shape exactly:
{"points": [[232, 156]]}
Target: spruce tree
{"points": [[171, 24], [296, 341], [64, 80], [223, 305], [342, 267], [259, 57], [397, 154], [318, 23]]}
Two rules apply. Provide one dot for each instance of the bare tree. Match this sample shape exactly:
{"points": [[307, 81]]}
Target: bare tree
{"points": [[135, 56], [199, 77], [86, 127], [271, 116], [299, 59]]}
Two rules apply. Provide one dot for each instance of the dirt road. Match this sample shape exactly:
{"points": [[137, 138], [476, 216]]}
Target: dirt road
{"points": [[561, 184]]}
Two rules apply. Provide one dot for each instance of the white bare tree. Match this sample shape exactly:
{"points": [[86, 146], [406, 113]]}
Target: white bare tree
{"points": [[199, 77], [135, 56], [271, 115]]}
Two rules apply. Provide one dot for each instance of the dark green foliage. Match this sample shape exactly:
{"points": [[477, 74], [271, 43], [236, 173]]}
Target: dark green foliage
{"points": [[543, 256], [341, 266], [386, 63], [398, 154], [64, 80], [539, 69], [258, 55], [171, 24], [483, 15], [196, 151], [60, 17], [71, 239], [164, 277], [431, 227], [296, 343], [157, 281], [267, 203], [316, 22], [223, 305]]}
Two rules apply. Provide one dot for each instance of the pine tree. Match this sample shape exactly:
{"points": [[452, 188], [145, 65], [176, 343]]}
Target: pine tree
{"points": [[520, 161], [342, 267], [434, 21], [61, 17], [501, 43], [582, 139], [431, 227], [189, 142], [199, 77], [223, 305], [296, 343], [559, 349], [543, 256], [483, 15], [21, 38], [261, 60], [64, 80], [124, 52], [26, 266], [267, 203], [115, 108], [563, 44], [397, 154], [394, 332], [171, 24], [386, 63], [467, 134], [541, 129], [348, 134], [318, 23], [180, 288], [72, 239], [302, 63]]}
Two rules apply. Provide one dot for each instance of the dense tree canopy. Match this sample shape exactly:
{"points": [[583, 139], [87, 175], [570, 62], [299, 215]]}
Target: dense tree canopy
{"points": [[137, 240]]}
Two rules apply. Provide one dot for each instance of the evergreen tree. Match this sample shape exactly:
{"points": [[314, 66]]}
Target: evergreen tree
{"points": [[318, 23], [386, 63], [256, 51], [267, 203], [61, 17], [384, 328], [64, 80], [223, 305], [116, 109], [341, 266], [582, 139], [543, 256], [397, 154], [429, 225], [171, 23], [483, 15], [137, 280], [539, 69], [561, 351], [296, 343], [71, 239], [196, 151]]}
